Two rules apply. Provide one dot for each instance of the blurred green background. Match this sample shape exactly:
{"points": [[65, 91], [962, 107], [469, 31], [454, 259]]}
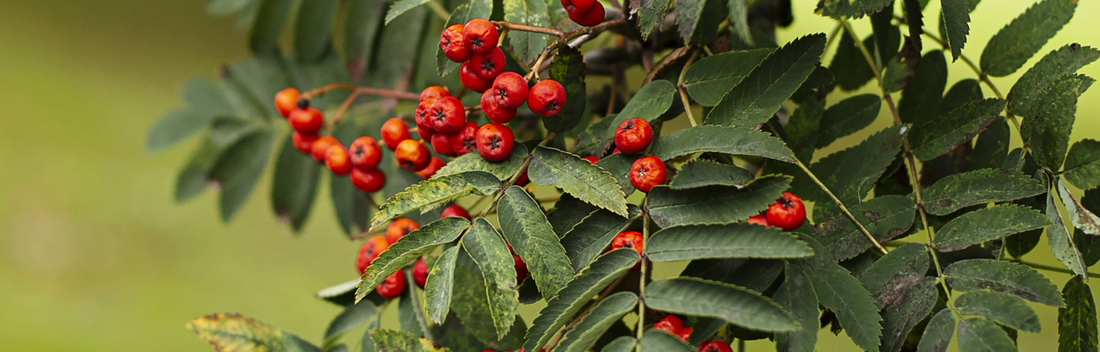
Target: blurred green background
{"points": [[95, 256]]}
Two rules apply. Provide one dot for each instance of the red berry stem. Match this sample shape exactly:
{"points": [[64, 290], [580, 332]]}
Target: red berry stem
{"points": [[566, 37], [526, 28]]}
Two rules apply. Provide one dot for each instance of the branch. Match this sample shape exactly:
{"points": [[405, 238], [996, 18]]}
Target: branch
{"points": [[665, 61], [384, 93], [641, 282], [526, 28], [565, 38], [683, 90]]}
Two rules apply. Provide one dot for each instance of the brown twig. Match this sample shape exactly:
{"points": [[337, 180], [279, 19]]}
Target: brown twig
{"points": [[355, 93], [526, 28], [565, 38], [666, 61]]}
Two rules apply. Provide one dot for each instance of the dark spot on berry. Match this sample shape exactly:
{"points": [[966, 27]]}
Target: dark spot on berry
{"points": [[303, 103], [476, 42]]}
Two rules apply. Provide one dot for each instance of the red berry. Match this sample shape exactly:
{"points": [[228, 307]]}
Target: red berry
{"points": [[633, 135], [590, 18], [647, 172], [467, 74], [394, 131], [412, 155], [434, 92], [481, 35], [455, 210], [420, 272], [670, 323], [494, 111], [425, 135], [369, 181], [488, 66], [448, 116], [433, 166], [521, 269], [307, 121], [628, 239], [684, 334], [453, 43], [522, 179], [320, 147], [337, 159], [715, 346], [546, 98], [465, 141], [365, 153], [788, 213], [424, 119], [592, 159], [393, 286], [510, 90], [758, 219], [399, 228], [286, 100], [441, 143], [303, 142], [578, 6], [370, 250], [495, 142]]}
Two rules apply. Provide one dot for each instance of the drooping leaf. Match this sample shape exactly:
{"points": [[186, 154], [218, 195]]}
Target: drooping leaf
{"points": [[294, 185], [503, 169], [407, 249], [1020, 39], [485, 246], [1002, 276], [409, 312], [708, 79], [1077, 321], [434, 192], [1059, 237], [978, 187], [578, 177], [400, 341], [194, 177], [796, 295], [737, 305], [361, 29], [714, 204], [937, 334], [175, 126], [313, 29], [651, 15], [561, 308], [848, 117], [942, 134], [401, 7], [460, 15], [532, 238], [762, 92], [569, 70], [439, 286], [906, 311], [921, 97], [1054, 67], [842, 293], [233, 332], [238, 170], [1081, 217], [352, 317], [1047, 130], [885, 217], [851, 173], [722, 139], [1082, 167], [1004, 309], [271, 17], [701, 173], [342, 294], [660, 340], [648, 103], [904, 264], [986, 225], [956, 19], [593, 324], [590, 236], [738, 240], [915, 20], [527, 45], [978, 334]]}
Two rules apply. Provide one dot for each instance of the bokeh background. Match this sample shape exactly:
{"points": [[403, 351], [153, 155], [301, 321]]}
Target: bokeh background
{"points": [[94, 254]]}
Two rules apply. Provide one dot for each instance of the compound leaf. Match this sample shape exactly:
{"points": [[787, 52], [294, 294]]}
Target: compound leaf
{"points": [[1056, 65], [525, 226], [1002, 276], [738, 240], [407, 249], [958, 191], [737, 305], [1010, 311], [577, 177], [714, 204], [986, 225], [708, 79], [1020, 39], [722, 139], [432, 193]]}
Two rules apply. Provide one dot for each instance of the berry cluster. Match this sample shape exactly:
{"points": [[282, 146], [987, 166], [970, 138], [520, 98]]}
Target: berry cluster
{"points": [[787, 213], [633, 136], [673, 325], [584, 12]]}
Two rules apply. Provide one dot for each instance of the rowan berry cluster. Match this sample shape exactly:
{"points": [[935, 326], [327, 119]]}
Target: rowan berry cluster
{"points": [[633, 136], [673, 325]]}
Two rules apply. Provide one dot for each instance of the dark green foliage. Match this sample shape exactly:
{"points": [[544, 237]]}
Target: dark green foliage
{"points": [[1077, 321]]}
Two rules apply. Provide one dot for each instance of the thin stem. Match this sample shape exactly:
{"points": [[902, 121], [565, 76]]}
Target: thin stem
{"points": [[439, 10], [327, 88], [641, 282], [527, 28], [841, 205], [740, 345], [565, 38], [1054, 268], [355, 93], [666, 61], [683, 90], [830, 39]]}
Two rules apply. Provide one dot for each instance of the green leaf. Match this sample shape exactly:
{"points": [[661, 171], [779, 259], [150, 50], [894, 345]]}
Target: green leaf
{"points": [[1002, 276], [1081, 218], [1019, 40], [722, 139], [1047, 130], [567, 213], [977, 334], [342, 294], [561, 308], [569, 70], [271, 16], [651, 15], [578, 177], [527, 45], [904, 264], [698, 20], [1059, 237], [233, 332], [238, 170], [1006, 310], [175, 126], [400, 341], [796, 295], [956, 19], [701, 173], [252, 83], [842, 9], [194, 178], [402, 6], [703, 298], [1023, 98], [593, 324], [590, 236], [942, 134], [621, 344], [958, 191], [435, 192], [992, 146], [857, 312], [738, 240], [440, 285], [352, 317], [619, 166], [937, 334], [802, 129], [714, 204], [764, 90], [409, 248], [851, 173], [896, 75], [313, 29], [922, 96], [360, 33], [885, 217], [648, 103], [526, 228], [503, 170], [485, 246], [660, 340], [1082, 167], [987, 224], [400, 41], [1077, 321], [739, 19], [848, 117], [905, 311], [294, 185], [849, 66], [708, 79], [469, 305]]}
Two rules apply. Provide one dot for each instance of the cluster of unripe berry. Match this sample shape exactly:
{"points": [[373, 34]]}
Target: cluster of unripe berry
{"points": [[584, 12], [673, 325], [787, 213]]}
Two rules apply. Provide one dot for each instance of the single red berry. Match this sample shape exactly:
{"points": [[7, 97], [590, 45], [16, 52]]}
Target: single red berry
{"points": [[578, 6], [307, 121], [788, 213], [758, 219], [510, 90], [441, 143], [434, 92], [369, 181], [494, 111], [592, 159], [465, 141], [394, 131], [546, 98], [715, 346], [303, 142], [370, 250], [628, 239], [448, 116], [522, 179], [488, 66], [590, 18], [365, 153], [425, 135], [467, 74], [495, 141], [420, 272], [399, 228], [647, 172], [455, 210], [424, 119], [521, 269], [286, 100], [453, 43], [412, 155], [393, 286], [481, 35], [433, 166], [337, 160], [684, 334], [320, 147], [669, 323], [633, 135]]}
